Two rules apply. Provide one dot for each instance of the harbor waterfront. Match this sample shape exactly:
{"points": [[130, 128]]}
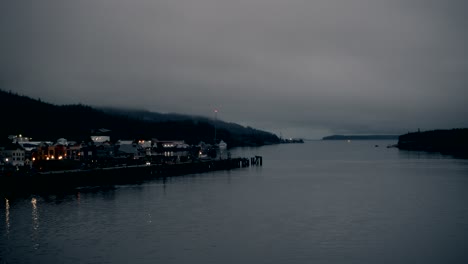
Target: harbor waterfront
{"points": [[60, 180], [317, 202]]}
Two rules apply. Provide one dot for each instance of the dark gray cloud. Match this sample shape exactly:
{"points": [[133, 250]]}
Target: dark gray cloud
{"points": [[303, 68]]}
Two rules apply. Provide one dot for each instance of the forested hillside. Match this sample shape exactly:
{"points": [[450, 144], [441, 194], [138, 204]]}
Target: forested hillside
{"points": [[454, 141], [45, 121]]}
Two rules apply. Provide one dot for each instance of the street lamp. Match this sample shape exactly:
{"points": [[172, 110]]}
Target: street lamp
{"points": [[216, 115]]}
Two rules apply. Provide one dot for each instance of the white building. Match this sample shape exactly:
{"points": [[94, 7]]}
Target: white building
{"points": [[31, 145], [100, 139], [13, 155], [62, 141], [19, 138]]}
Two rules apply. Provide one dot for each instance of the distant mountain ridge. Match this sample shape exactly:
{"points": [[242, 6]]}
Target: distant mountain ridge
{"points": [[45, 121], [361, 137]]}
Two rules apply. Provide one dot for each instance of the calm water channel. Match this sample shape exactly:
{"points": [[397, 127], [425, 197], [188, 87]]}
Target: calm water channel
{"points": [[318, 202]]}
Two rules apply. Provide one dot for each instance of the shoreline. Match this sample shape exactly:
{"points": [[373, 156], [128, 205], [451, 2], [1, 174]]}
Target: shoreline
{"points": [[70, 179], [450, 142]]}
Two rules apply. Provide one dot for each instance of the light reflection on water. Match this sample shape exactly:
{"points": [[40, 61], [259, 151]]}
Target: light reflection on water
{"points": [[311, 203], [7, 216], [35, 224]]}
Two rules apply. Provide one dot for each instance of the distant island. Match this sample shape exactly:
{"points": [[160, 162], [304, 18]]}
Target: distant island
{"points": [[361, 137], [454, 141]]}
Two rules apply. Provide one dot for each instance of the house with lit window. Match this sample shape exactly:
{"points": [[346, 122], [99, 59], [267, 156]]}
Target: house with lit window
{"points": [[146, 145], [168, 144], [60, 151], [171, 148], [42, 152], [45, 151], [13, 154]]}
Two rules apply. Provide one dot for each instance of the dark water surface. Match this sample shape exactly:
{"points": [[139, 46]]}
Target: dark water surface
{"points": [[318, 202]]}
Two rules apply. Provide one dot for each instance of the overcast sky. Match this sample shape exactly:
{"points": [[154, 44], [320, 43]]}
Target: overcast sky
{"points": [[303, 68]]}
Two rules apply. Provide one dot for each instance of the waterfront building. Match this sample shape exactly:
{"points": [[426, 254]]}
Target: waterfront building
{"points": [[73, 151], [13, 154], [105, 150], [168, 144], [100, 139], [42, 152], [100, 135], [88, 153], [130, 149]]}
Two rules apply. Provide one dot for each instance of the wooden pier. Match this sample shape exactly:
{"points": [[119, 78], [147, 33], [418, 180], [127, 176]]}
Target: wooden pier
{"points": [[257, 161], [119, 175]]}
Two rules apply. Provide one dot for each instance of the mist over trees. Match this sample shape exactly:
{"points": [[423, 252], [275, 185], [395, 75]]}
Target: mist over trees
{"points": [[44, 121]]}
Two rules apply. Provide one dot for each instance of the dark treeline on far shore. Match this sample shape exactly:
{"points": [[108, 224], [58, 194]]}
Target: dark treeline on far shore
{"points": [[45, 121], [454, 141]]}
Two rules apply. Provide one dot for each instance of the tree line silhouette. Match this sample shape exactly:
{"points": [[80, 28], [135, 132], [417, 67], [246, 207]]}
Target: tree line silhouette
{"points": [[47, 122], [454, 141]]}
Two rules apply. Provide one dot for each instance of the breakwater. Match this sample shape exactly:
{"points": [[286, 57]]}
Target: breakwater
{"points": [[58, 180]]}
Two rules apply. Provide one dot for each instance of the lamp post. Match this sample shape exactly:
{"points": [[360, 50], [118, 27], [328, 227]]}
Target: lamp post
{"points": [[216, 116]]}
